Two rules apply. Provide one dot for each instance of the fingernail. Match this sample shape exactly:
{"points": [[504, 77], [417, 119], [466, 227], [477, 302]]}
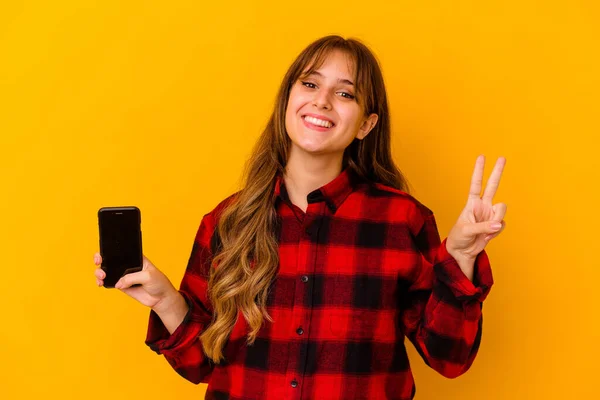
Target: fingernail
{"points": [[496, 225], [118, 285]]}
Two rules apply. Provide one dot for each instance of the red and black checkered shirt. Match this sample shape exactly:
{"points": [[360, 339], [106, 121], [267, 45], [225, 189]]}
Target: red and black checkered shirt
{"points": [[361, 270]]}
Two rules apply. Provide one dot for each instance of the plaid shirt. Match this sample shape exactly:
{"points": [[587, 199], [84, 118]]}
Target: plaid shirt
{"points": [[361, 270]]}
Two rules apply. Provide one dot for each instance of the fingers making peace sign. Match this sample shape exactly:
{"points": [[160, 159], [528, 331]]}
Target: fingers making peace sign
{"points": [[481, 220]]}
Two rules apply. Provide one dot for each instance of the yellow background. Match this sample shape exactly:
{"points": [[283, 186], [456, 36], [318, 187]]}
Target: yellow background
{"points": [[157, 104]]}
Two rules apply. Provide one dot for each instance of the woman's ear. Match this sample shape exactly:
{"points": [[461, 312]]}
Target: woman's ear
{"points": [[367, 126]]}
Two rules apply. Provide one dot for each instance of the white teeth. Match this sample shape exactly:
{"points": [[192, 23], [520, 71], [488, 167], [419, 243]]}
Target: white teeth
{"points": [[320, 122]]}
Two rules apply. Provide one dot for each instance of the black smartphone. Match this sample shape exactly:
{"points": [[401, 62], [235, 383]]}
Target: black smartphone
{"points": [[120, 242]]}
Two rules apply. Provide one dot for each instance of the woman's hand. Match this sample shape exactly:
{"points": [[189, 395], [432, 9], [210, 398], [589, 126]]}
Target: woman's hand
{"points": [[155, 288], [480, 221]]}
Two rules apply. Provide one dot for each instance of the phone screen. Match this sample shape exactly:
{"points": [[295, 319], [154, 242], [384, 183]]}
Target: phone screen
{"points": [[120, 242]]}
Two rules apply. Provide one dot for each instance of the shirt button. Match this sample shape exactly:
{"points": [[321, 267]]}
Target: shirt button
{"points": [[299, 331], [294, 383], [304, 278]]}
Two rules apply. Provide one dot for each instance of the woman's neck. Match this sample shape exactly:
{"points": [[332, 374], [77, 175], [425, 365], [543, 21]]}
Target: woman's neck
{"points": [[303, 174]]}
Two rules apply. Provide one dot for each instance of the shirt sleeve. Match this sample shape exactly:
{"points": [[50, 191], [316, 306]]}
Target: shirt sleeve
{"points": [[442, 312], [183, 349]]}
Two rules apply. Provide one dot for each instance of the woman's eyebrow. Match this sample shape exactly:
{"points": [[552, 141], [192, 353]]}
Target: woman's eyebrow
{"points": [[344, 81]]}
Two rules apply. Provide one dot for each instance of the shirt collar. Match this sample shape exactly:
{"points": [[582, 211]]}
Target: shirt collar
{"points": [[334, 193]]}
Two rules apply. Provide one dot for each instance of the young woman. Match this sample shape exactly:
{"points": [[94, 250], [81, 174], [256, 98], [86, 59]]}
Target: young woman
{"points": [[304, 284]]}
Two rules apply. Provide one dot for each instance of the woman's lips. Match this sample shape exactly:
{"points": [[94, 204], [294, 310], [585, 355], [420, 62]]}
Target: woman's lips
{"points": [[318, 128]]}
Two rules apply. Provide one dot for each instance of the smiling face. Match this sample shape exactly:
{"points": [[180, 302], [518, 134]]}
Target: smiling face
{"points": [[323, 115]]}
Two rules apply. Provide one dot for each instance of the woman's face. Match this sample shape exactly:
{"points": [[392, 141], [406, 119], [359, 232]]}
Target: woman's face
{"points": [[322, 114]]}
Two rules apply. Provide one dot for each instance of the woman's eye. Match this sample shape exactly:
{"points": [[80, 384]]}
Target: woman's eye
{"points": [[313, 86]]}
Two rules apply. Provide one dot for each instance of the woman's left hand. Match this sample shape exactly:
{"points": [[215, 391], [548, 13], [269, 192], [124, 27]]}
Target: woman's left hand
{"points": [[480, 221]]}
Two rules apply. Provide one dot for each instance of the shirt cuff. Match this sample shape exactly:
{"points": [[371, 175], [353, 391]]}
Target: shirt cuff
{"points": [[161, 341], [448, 272]]}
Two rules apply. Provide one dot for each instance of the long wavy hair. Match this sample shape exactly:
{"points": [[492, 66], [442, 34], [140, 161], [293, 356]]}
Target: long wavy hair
{"points": [[247, 260]]}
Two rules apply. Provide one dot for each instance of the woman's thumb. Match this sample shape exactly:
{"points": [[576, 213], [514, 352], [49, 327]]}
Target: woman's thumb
{"points": [[147, 264], [487, 227]]}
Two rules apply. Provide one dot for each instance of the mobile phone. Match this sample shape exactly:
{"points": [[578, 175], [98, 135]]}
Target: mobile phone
{"points": [[120, 242]]}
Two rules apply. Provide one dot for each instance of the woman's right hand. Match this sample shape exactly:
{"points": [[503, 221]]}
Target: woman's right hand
{"points": [[155, 288]]}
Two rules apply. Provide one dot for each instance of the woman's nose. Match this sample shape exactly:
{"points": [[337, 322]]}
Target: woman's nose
{"points": [[321, 100]]}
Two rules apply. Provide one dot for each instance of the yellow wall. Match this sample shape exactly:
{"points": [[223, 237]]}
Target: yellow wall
{"points": [[157, 104]]}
